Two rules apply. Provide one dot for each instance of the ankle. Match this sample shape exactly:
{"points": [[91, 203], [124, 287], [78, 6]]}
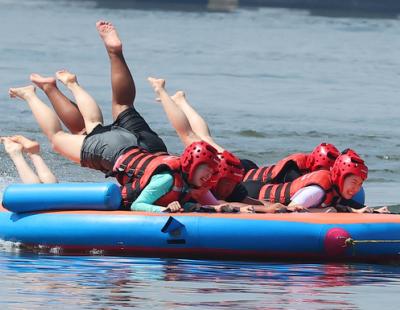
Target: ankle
{"points": [[72, 85], [115, 53], [49, 87]]}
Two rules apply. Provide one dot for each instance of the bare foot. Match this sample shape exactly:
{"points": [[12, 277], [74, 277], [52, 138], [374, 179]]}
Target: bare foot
{"points": [[157, 84], [109, 35], [22, 92], [12, 148], [66, 77], [42, 82], [178, 97], [29, 146]]}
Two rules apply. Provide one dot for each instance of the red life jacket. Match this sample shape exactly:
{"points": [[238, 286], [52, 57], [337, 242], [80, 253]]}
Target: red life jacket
{"points": [[135, 168], [282, 193], [271, 174]]}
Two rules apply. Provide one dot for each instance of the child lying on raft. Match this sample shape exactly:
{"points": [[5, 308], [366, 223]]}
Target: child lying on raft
{"points": [[16, 146], [325, 189]]}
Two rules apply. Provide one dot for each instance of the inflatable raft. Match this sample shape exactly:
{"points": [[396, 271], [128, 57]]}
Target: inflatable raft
{"points": [[54, 218]]}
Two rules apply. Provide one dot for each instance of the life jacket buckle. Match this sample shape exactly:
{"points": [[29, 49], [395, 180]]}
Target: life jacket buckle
{"points": [[121, 167], [130, 173]]}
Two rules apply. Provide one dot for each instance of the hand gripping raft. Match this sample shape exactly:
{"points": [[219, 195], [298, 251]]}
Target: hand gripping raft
{"points": [[61, 196]]}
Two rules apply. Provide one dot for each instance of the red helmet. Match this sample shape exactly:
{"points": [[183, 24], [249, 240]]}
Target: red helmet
{"points": [[348, 163], [322, 157], [351, 153], [198, 153], [230, 167]]}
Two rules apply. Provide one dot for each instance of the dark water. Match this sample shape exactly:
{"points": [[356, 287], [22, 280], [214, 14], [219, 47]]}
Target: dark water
{"points": [[269, 82]]}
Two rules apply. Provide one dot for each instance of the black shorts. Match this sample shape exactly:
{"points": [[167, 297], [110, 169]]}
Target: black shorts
{"points": [[102, 147], [131, 120]]}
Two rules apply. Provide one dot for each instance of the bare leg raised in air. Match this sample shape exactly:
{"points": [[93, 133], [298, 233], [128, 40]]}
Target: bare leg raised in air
{"points": [[67, 111], [198, 124], [66, 144], [15, 146], [88, 107], [174, 113], [123, 86]]}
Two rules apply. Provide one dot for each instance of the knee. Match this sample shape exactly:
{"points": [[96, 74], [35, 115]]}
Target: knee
{"points": [[56, 140]]}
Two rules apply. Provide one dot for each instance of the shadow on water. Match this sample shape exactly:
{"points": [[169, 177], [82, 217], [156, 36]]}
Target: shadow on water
{"points": [[328, 8]]}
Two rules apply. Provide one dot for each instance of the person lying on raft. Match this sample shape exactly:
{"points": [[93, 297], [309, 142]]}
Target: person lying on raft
{"points": [[293, 166], [168, 182], [190, 127], [324, 189], [15, 146], [123, 96]]}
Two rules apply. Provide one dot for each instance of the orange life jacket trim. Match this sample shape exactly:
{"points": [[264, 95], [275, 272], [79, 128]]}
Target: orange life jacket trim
{"points": [[283, 192], [269, 174], [135, 168]]}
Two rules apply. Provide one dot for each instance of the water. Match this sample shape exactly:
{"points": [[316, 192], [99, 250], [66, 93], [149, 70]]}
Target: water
{"points": [[115, 283], [270, 82]]}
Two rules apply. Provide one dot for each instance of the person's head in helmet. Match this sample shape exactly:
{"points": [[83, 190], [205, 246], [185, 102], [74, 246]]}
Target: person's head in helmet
{"points": [[348, 173], [230, 174], [322, 157], [199, 162]]}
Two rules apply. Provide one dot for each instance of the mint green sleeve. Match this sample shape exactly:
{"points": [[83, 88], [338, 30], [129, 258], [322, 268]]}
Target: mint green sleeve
{"points": [[159, 185]]}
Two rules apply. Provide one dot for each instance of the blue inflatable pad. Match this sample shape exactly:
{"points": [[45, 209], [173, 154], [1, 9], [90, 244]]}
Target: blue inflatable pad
{"points": [[360, 196], [61, 196]]}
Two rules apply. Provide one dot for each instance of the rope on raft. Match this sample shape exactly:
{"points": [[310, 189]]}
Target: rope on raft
{"points": [[352, 242]]}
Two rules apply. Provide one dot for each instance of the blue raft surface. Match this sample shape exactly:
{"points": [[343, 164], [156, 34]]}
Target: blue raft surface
{"points": [[291, 236]]}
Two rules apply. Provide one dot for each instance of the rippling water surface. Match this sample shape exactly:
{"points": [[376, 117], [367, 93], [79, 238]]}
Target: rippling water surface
{"points": [[111, 283], [269, 82]]}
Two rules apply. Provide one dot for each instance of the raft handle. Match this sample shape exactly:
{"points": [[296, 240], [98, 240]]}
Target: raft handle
{"points": [[172, 226]]}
